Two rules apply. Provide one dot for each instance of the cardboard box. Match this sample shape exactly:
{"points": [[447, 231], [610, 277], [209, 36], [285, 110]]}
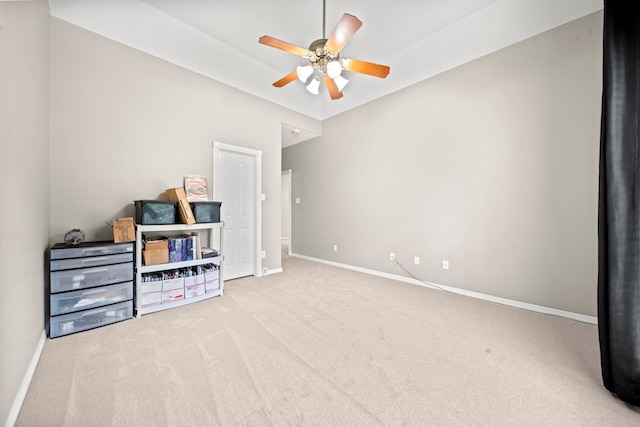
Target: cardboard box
{"points": [[211, 275], [184, 208], [155, 256], [149, 287], [171, 284], [199, 279], [194, 291], [189, 281], [212, 286], [152, 298], [172, 295], [154, 245], [123, 230]]}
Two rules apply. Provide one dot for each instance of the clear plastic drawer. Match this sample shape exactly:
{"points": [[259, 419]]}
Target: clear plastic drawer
{"points": [[68, 302], [62, 251], [66, 264], [82, 278], [89, 319]]}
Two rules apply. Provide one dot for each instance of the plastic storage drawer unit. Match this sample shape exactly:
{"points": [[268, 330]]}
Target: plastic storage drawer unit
{"points": [[89, 319], [90, 285], [67, 302], [67, 264], [89, 249], [83, 278]]}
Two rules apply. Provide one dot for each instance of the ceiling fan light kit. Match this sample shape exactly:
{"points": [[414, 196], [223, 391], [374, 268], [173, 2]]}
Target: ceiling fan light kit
{"points": [[304, 72], [341, 82], [314, 85], [324, 59], [334, 69]]}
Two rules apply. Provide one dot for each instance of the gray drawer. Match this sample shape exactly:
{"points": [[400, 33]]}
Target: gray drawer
{"points": [[82, 278], [89, 319], [66, 264], [90, 249], [85, 299]]}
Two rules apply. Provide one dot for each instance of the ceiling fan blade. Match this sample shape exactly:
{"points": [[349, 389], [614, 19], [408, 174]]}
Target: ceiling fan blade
{"points": [[346, 28], [333, 88], [364, 67], [286, 79], [282, 45]]}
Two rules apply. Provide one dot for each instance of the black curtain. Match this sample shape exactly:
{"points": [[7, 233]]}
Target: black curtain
{"points": [[619, 202]]}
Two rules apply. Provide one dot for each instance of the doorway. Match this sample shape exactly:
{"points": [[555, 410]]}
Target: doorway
{"points": [[237, 184], [286, 212]]}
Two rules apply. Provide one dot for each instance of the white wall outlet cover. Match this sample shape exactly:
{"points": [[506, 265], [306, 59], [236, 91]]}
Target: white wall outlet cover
{"points": [[297, 200], [335, 248], [263, 254], [263, 197]]}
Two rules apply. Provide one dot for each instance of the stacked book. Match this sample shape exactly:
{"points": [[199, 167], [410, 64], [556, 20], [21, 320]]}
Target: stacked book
{"points": [[182, 248]]}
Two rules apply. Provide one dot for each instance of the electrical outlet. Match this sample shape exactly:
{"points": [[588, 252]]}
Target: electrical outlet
{"points": [[265, 271], [445, 264], [392, 256], [416, 260], [263, 254], [335, 248]]}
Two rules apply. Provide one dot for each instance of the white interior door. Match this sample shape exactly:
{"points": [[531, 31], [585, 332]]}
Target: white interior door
{"points": [[235, 186]]}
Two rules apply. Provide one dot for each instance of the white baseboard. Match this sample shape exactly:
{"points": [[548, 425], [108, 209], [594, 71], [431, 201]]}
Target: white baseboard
{"points": [[267, 272], [512, 303], [26, 380]]}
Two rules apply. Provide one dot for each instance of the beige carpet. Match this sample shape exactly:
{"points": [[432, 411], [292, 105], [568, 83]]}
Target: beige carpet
{"points": [[323, 346]]}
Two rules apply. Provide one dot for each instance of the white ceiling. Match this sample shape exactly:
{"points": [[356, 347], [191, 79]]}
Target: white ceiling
{"points": [[416, 38]]}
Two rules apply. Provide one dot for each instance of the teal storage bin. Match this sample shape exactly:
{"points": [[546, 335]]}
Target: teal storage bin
{"points": [[206, 211], [155, 212]]}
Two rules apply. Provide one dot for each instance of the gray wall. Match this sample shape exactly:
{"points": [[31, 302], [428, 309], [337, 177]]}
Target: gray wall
{"points": [[98, 125], [24, 188], [491, 166], [126, 126]]}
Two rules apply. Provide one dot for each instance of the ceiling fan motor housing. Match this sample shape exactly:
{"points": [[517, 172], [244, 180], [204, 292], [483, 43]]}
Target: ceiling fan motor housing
{"points": [[317, 45], [319, 49]]}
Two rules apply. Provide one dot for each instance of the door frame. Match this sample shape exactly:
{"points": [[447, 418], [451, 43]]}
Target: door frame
{"points": [[257, 197], [288, 174]]}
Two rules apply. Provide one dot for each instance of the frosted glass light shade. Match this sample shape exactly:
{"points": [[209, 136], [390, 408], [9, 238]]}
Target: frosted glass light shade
{"points": [[313, 86], [341, 82], [304, 73], [334, 69]]}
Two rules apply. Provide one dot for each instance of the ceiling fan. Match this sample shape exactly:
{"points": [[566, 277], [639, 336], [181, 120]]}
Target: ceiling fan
{"points": [[324, 58]]}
